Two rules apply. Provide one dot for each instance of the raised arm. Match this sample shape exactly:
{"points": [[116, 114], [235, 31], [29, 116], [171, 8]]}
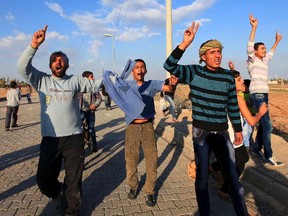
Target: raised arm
{"points": [[189, 36], [24, 64], [278, 38], [38, 37], [251, 41], [254, 24]]}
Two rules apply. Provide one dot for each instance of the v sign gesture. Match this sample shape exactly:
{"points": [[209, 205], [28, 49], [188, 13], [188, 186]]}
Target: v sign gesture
{"points": [[38, 37], [189, 35]]}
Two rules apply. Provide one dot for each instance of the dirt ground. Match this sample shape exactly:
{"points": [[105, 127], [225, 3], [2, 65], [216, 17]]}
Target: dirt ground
{"points": [[278, 105]]}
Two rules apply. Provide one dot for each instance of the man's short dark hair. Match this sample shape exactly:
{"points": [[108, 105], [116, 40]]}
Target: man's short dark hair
{"points": [[87, 74], [57, 54], [235, 73], [13, 84], [141, 60], [256, 45]]}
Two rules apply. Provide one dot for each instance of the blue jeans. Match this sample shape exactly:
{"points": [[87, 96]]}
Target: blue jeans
{"points": [[172, 106], [247, 131], [90, 119], [204, 142], [263, 137]]}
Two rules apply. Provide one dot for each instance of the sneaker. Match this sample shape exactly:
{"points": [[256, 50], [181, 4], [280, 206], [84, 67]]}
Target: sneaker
{"points": [[150, 201], [272, 161], [7, 129], [16, 125], [94, 149], [132, 194], [258, 153]]}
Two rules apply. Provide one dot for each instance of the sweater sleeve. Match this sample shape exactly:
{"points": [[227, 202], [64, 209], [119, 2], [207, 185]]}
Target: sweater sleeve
{"points": [[25, 68], [183, 72]]}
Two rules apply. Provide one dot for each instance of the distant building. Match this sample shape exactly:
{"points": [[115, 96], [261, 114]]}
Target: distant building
{"points": [[273, 82]]}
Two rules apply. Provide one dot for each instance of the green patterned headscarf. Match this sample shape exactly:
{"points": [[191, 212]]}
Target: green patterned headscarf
{"points": [[209, 45]]}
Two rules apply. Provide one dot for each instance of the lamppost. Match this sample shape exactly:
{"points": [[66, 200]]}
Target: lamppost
{"points": [[113, 49], [102, 62]]}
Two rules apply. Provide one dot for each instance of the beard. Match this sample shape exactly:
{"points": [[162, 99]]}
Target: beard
{"points": [[59, 73]]}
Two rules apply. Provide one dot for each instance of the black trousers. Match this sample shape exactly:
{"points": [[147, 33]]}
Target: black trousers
{"points": [[11, 111], [54, 150]]}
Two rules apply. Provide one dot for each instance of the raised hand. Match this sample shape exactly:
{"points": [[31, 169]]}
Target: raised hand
{"points": [[253, 21], [189, 35], [173, 80], [278, 37], [231, 65], [39, 37]]}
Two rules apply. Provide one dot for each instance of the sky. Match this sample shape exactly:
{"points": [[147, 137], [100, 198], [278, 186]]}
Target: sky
{"points": [[138, 30]]}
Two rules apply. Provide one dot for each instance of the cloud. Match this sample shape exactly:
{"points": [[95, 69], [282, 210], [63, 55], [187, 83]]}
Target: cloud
{"points": [[95, 47], [122, 19], [56, 35], [56, 7], [9, 17], [133, 34], [127, 20], [10, 41], [11, 46]]}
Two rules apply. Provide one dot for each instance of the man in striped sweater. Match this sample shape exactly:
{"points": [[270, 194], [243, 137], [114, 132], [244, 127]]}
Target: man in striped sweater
{"points": [[259, 89], [213, 96]]}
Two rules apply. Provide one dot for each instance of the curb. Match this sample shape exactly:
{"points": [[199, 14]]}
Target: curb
{"points": [[266, 184]]}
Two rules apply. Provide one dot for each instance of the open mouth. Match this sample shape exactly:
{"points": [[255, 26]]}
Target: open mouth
{"points": [[58, 68]]}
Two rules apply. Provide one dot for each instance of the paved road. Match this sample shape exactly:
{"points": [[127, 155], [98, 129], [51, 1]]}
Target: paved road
{"points": [[104, 187]]}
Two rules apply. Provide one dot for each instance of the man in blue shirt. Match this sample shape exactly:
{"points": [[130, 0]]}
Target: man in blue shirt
{"points": [[140, 130]]}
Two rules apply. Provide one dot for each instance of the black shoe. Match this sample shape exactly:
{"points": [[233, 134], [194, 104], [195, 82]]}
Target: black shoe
{"points": [[16, 125], [94, 149], [6, 129], [132, 194], [150, 201]]}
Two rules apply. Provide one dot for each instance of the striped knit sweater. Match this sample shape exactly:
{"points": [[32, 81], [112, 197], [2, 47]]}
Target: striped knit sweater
{"points": [[213, 94], [258, 70]]}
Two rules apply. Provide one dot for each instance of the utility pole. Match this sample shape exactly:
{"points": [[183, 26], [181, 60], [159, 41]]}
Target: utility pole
{"points": [[168, 29]]}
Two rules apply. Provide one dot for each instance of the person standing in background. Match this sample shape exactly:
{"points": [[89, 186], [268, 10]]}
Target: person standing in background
{"points": [[89, 102], [169, 97], [13, 97], [28, 93]]}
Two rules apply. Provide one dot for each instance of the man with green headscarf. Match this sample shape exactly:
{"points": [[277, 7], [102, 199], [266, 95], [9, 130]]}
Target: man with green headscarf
{"points": [[213, 96]]}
